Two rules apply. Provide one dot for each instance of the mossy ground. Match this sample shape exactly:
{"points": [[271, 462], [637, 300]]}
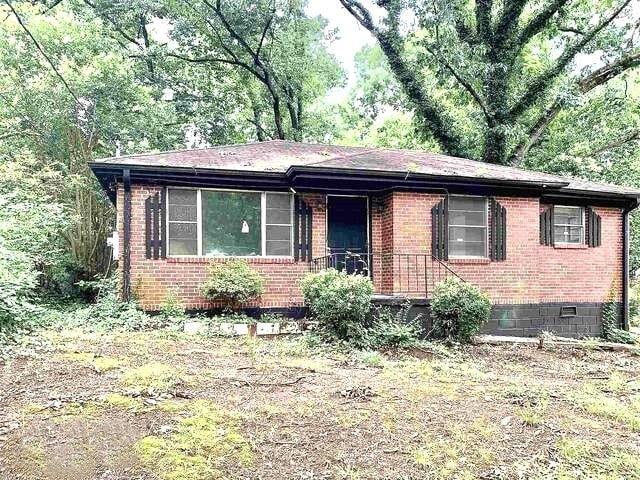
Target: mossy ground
{"points": [[165, 406]]}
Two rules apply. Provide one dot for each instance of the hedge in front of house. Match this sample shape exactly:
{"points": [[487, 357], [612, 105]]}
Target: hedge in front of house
{"points": [[458, 310]]}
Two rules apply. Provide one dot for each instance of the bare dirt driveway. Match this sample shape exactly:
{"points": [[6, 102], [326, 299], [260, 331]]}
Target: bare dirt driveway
{"points": [[165, 406]]}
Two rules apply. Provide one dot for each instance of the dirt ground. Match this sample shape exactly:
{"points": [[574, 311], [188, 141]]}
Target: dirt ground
{"points": [[157, 405]]}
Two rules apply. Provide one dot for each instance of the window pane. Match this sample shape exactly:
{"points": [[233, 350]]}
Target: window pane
{"points": [[467, 241], [567, 216], [231, 223], [457, 217], [567, 234], [467, 249], [182, 197], [186, 231], [186, 213], [282, 248], [278, 233], [279, 216], [474, 204], [467, 234], [183, 247], [279, 200]]}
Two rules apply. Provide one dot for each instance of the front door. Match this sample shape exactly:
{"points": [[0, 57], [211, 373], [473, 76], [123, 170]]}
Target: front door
{"points": [[347, 235]]}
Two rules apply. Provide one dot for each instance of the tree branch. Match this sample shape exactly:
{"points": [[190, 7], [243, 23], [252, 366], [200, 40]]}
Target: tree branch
{"points": [[619, 142], [543, 82], [41, 50], [429, 110], [537, 23], [461, 80], [584, 85]]}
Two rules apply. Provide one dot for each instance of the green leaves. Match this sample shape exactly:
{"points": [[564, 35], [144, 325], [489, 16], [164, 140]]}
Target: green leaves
{"points": [[232, 282], [458, 309]]}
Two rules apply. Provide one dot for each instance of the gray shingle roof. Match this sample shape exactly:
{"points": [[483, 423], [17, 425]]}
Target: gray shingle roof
{"points": [[279, 156]]}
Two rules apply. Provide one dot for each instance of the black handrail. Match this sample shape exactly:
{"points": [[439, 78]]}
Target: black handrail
{"points": [[411, 273]]}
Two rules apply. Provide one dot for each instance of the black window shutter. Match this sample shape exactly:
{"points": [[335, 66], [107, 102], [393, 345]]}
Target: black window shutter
{"points": [[440, 229], [546, 227], [302, 230], [593, 228], [155, 230], [498, 236]]}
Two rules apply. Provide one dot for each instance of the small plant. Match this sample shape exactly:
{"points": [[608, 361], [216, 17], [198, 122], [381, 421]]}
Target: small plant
{"points": [[395, 329], [610, 329], [109, 312], [458, 310], [155, 376], [232, 282], [172, 306], [341, 303]]}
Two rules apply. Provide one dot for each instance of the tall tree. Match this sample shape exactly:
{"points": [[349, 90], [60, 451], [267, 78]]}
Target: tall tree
{"points": [[515, 61], [276, 55]]}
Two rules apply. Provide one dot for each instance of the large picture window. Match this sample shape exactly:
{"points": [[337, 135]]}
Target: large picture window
{"points": [[229, 223], [568, 224], [467, 226]]}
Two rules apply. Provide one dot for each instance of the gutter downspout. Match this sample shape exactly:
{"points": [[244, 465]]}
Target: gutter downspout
{"points": [[126, 236], [625, 268]]}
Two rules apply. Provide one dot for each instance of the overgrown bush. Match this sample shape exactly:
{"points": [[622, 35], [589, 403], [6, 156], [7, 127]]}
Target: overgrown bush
{"points": [[341, 303], [109, 312], [18, 281], [610, 329], [232, 283], [458, 310], [391, 329]]}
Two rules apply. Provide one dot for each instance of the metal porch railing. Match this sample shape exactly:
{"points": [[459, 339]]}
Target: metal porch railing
{"points": [[412, 274]]}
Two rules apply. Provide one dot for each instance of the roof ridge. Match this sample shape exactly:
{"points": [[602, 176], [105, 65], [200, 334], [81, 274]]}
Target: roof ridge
{"points": [[181, 150]]}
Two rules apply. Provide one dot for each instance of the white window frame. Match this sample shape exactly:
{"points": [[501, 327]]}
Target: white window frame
{"points": [[485, 226], [263, 222], [583, 225]]}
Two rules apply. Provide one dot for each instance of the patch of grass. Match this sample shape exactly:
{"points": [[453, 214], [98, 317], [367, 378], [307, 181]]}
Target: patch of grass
{"points": [[532, 416], [98, 363], [460, 454], [371, 358], [597, 403], [353, 418], [199, 447], [581, 458], [121, 401], [152, 376]]}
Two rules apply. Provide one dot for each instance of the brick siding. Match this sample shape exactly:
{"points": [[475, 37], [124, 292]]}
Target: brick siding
{"points": [[401, 223]]}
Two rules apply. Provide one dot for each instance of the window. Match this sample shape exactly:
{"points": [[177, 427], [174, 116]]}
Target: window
{"points": [[568, 224], [467, 226], [183, 222], [229, 223]]}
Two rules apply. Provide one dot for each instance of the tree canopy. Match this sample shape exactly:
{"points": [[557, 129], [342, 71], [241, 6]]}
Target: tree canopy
{"points": [[515, 65]]}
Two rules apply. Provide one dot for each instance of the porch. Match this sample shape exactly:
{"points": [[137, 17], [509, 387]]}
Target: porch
{"points": [[409, 275]]}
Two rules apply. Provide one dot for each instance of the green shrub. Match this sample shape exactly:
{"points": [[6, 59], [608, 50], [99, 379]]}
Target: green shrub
{"points": [[341, 303], [232, 282], [395, 329], [172, 306], [610, 330], [458, 309], [109, 312], [18, 281]]}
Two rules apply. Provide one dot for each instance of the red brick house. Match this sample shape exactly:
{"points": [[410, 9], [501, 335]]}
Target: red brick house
{"points": [[549, 250]]}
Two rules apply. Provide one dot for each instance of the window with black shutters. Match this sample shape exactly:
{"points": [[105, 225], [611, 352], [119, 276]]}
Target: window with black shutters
{"points": [[467, 226]]}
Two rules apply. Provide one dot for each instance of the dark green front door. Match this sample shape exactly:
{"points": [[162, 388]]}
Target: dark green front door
{"points": [[347, 233]]}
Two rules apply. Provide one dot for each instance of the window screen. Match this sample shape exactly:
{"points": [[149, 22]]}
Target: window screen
{"points": [[278, 224], [568, 224], [231, 223], [183, 222], [467, 226]]}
